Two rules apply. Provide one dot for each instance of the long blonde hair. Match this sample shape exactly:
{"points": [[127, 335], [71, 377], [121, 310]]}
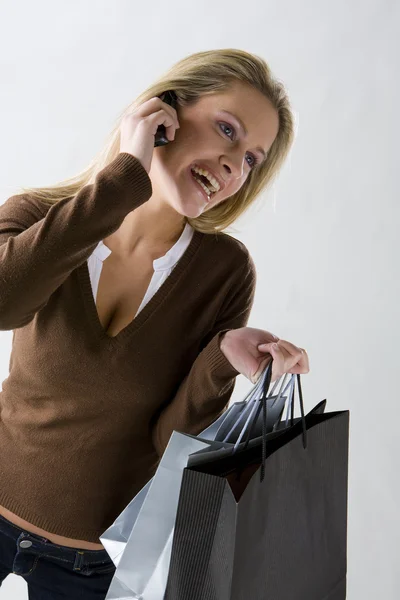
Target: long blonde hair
{"points": [[208, 72]]}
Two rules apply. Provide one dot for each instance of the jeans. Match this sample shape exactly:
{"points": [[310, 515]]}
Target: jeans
{"points": [[53, 572]]}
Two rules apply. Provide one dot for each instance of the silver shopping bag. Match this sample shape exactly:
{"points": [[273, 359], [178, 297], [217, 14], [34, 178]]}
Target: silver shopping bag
{"points": [[140, 540], [116, 536]]}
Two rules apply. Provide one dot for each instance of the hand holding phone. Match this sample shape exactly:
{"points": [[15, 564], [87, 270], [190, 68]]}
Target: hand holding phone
{"points": [[161, 136], [152, 124]]}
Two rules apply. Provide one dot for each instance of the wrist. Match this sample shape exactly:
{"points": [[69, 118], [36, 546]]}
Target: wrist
{"points": [[224, 341]]}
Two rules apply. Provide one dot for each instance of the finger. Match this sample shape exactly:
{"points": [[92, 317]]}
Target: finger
{"points": [[306, 360], [277, 357], [302, 358], [271, 346], [296, 370], [271, 339], [260, 369], [167, 107], [279, 360], [281, 353], [291, 348]]}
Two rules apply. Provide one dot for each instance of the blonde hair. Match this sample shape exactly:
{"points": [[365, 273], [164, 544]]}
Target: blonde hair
{"points": [[207, 72]]}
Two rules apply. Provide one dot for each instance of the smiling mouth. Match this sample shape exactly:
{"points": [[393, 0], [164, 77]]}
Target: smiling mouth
{"points": [[202, 182]]}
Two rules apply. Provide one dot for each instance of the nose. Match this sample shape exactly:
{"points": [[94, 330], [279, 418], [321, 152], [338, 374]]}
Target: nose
{"points": [[234, 166]]}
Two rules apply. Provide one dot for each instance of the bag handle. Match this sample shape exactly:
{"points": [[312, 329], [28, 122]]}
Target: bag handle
{"points": [[263, 405], [252, 404]]}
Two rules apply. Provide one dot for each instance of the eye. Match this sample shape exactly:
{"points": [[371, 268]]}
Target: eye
{"points": [[226, 125]]}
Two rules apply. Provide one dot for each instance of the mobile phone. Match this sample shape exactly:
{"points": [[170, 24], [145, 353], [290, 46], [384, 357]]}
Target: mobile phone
{"points": [[160, 138]]}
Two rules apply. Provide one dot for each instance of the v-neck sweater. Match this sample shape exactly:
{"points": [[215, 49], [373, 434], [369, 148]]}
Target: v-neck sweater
{"points": [[162, 266], [85, 417]]}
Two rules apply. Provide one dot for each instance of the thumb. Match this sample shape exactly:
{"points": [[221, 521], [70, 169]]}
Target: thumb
{"points": [[262, 366]]}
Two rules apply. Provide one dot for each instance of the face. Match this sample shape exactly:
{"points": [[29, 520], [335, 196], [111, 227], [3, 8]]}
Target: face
{"points": [[211, 138]]}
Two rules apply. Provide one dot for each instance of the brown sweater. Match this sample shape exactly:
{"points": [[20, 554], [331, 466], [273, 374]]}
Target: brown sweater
{"points": [[85, 417]]}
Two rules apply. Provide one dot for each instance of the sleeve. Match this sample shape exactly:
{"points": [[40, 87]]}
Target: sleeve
{"points": [[205, 392], [39, 249]]}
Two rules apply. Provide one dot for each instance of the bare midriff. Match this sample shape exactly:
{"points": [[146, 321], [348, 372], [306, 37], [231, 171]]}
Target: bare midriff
{"points": [[52, 537]]}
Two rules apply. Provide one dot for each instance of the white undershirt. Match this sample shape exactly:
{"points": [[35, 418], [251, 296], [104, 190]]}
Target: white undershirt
{"points": [[162, 266]]}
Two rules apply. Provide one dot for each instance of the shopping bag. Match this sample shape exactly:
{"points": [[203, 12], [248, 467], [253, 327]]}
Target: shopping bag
{"points": [[148, 520], [140, 540], [268, 520], [235, 419], [116, 536], [114, 539]]}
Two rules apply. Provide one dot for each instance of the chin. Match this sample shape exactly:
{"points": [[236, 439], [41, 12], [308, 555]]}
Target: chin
{"points": [[190, 209]]}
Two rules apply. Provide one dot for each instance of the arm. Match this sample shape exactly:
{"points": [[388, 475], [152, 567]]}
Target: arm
{"points": [[39, 249], [205, 392]]}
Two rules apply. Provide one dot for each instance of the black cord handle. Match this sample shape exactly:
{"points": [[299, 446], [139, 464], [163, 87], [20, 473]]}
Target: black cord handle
{"points": [[263, 406]]}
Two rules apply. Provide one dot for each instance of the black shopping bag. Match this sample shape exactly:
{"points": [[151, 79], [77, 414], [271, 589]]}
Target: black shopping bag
{"points": [[278, 536]]}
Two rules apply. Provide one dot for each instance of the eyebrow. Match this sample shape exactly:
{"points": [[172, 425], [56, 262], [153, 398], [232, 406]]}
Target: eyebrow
{"points": [[243, 128]]}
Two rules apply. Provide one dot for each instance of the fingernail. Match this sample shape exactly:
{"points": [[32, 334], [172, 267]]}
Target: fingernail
{"points": [[275, 346]]}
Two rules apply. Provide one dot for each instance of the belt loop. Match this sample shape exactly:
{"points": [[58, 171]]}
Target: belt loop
{"points": [[78, 560]]}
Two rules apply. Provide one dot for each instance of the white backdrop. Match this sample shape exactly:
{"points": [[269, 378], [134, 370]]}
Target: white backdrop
{"points": [[324, 239]]}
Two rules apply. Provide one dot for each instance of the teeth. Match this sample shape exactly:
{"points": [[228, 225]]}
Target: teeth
{"points": [[214, 187], [203, 185]]}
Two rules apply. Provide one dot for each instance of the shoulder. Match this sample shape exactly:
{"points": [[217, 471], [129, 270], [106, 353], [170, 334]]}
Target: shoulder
{"points": [[233, 252]]}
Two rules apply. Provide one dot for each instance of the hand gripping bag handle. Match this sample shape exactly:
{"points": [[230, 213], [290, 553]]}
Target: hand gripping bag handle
{"points": [[267, 376]]}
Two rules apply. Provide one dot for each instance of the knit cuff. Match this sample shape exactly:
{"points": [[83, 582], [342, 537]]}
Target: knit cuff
{"points": [[128, 171], [219, 365]]}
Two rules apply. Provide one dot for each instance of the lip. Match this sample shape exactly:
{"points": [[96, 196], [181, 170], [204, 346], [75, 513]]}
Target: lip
{"points": [[199, 188], [221, 182]]}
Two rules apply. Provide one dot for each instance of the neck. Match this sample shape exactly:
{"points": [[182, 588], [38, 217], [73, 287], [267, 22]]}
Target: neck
{"points": [[151, 228]]}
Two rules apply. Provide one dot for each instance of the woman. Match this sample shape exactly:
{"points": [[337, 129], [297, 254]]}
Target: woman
{"points": [[129, 307]]}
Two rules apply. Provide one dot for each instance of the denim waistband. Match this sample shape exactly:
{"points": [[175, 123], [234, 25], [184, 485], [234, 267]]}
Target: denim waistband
{"points": [[49, 548]]}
